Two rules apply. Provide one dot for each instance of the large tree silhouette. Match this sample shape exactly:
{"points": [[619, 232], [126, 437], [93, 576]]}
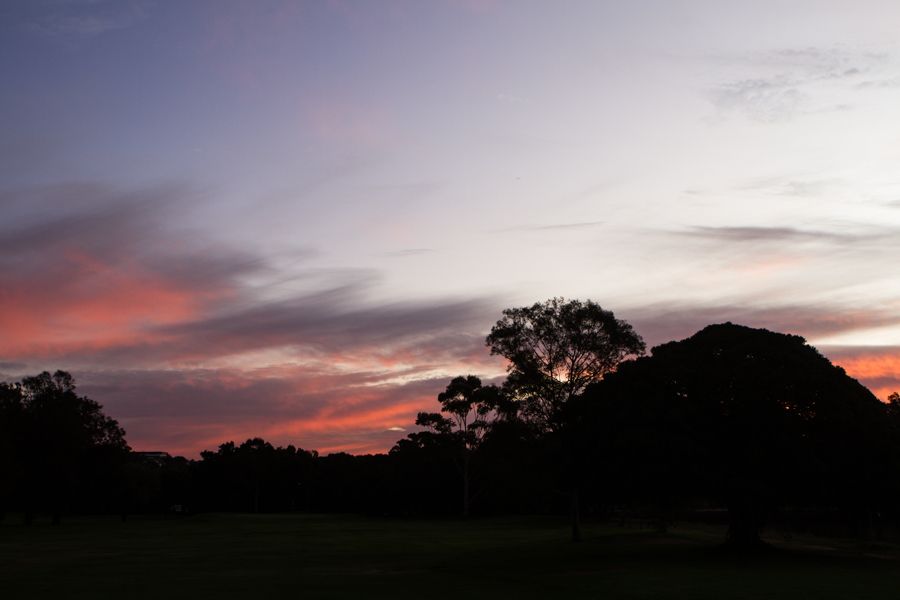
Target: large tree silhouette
{"points": [[753, 418], [555, 350], [63, 443]]}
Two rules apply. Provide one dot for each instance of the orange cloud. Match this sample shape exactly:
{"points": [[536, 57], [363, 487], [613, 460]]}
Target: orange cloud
{"points": [[877, 368], [89, 303], [164, 331], [190, 411]]}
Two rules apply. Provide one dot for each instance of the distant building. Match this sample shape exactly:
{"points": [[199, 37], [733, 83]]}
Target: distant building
{"points": [[155, 456]]}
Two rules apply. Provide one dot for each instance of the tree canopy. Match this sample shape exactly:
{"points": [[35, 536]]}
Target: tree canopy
{"points": [[470, 410], [759, 418], [59, 443], [556, 349]]}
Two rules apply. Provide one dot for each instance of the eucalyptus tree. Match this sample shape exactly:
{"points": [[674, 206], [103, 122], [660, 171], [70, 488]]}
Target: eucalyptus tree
{"points": [[467, 410], [556, 349]]}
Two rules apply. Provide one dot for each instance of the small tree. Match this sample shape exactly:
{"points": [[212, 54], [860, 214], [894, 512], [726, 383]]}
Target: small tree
{"points": [[893, 404], [470, 408]]}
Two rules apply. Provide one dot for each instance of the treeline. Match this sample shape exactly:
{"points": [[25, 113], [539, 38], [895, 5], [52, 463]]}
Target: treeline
{"points": [[410, 480], [733, 421]]}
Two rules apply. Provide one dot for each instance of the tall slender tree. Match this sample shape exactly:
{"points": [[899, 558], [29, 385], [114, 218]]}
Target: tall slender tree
{"points": [[470, 408]]}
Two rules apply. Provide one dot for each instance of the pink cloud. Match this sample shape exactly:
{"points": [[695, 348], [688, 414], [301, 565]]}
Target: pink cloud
{"points": [[189, 411], [878, 368]]}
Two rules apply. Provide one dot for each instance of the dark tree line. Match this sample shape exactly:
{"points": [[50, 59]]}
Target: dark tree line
{"points": [[742, 422]]}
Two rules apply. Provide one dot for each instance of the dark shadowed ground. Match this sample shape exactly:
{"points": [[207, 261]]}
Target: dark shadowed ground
{"points": [[269, 556]]}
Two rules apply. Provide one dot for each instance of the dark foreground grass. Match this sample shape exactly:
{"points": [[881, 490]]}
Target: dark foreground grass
{"points": [[302, 556]]}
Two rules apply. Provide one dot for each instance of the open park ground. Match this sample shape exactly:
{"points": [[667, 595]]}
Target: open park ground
{"points": [[310, 556]]}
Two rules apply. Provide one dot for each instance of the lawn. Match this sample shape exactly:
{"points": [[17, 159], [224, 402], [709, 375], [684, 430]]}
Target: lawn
{"points": [[313, 556]]}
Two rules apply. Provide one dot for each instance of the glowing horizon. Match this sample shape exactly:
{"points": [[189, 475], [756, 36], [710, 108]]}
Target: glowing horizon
{"points": [[298, 220]]}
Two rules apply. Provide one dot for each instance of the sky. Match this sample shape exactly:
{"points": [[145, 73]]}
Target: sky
{"points": [[299, 219]]}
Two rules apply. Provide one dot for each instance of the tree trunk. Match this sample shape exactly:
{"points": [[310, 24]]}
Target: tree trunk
{"points": [[661, 519], [576, 516], [744, 526], [56, 507], [661, 524], [465, 498], [743, 535]]}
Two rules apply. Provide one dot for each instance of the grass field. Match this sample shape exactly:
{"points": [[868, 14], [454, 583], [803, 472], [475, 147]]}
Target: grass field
{"points": [[303, 556]]}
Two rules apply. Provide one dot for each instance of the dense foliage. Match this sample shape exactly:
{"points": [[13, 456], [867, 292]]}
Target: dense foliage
{"points": [[60, 452], [747, 419]]}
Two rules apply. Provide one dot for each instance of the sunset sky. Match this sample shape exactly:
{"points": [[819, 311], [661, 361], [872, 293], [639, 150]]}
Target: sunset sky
{"points": [[298, 220]]}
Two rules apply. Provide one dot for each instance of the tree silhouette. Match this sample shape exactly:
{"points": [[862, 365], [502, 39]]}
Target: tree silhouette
{"points": [[555, 350], [255, 476], [470, 408], [754, 419], [62, 443], [11, 445], [893, 404]]}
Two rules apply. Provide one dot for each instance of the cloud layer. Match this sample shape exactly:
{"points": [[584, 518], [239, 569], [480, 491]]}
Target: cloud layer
{"points": [[185, 341], [189, 341], [361, 188]]}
